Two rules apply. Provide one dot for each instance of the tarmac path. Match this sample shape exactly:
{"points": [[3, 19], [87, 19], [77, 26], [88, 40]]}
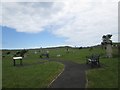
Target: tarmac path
{"points": [[73, 76]]}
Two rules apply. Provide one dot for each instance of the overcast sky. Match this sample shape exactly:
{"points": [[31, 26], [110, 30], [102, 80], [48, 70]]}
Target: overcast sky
{"points": [[70, 22]]}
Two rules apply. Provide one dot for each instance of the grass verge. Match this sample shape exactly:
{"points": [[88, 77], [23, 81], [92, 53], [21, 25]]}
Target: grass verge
{"points": [[29, 76], [104, 77]]}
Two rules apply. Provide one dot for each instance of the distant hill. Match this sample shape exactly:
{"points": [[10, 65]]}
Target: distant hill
{"points": [[114, 43]]}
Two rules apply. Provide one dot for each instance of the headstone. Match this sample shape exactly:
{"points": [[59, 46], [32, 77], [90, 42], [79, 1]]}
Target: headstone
{"points": [[35, 52], [58, 55], [109, 50]]}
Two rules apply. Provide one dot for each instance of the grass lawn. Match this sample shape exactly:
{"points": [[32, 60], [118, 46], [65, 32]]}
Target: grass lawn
{"points": [[37, 73], [30, 75], [107, 75], [104, 77], [76, 55]]}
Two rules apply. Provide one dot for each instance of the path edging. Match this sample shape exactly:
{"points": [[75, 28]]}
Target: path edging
{"points": [[56, 77], [86, 85]]}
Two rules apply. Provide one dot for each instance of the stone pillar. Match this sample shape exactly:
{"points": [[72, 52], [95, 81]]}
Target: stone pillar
{"points": [[109, 50], [108, 44]]}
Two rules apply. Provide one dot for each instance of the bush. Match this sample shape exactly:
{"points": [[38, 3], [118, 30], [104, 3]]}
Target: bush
{"points": [[8, 53]]}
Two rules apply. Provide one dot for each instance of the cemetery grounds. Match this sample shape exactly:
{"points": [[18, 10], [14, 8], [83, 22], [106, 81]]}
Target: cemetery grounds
{"points": [[39, 73]]}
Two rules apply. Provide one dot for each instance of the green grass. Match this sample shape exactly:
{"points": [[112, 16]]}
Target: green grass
{"points": [[40, 75], [32, 75], [75, 55], [104, 77]]}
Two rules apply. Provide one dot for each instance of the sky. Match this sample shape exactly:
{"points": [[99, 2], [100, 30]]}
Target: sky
{"points": [[57, 23]]}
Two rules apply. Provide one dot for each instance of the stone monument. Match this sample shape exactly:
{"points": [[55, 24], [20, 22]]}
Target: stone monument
{"points": [[107, 43]]}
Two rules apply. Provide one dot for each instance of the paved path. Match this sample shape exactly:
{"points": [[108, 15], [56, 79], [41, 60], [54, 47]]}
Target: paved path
{"points": [[73, 76]]}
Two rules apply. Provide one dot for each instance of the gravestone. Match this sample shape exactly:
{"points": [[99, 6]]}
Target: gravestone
{"points": [[35, 52], [58, 55], [46, 54]]}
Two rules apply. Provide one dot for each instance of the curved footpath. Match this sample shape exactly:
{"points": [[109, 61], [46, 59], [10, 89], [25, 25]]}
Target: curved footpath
{"points": [[73, 76]]}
